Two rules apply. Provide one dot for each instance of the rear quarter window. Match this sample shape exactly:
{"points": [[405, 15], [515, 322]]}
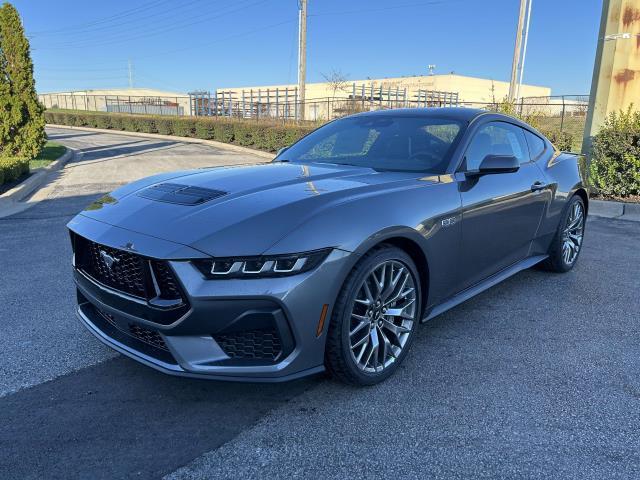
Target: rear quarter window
{"points": [[537, 146]]}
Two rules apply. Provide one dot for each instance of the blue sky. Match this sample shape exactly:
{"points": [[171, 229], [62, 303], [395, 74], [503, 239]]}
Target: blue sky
{"points": [[204, 44]]}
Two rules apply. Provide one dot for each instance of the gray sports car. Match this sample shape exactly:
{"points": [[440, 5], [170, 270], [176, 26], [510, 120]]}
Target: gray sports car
{"points": [[331, 255]]}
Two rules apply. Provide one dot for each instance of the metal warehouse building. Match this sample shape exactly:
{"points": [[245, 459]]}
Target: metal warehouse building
{"points": [[323, 99]]}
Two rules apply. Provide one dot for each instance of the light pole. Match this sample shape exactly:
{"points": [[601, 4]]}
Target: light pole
{"points": [[302, 55], [520, 49]]}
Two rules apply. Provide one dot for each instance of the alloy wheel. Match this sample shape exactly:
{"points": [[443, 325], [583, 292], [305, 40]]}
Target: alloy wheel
{"points": [[382, 316], [573, 233]]}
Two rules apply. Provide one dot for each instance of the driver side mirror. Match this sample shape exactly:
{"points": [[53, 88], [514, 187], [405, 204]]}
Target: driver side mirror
{"points": [[497, 164]]}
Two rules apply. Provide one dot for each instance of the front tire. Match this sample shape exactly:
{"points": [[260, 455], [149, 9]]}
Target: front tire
{"points": [[567, 243], [374, 318]]}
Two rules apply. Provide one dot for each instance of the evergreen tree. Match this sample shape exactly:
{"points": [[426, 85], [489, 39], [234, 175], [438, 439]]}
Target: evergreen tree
{"points": [[21, 114]]}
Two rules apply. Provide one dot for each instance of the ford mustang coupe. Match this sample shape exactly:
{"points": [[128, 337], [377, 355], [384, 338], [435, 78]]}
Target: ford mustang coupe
{"points": [[331, 255]]}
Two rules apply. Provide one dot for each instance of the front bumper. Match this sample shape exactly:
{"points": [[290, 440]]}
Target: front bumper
{"points": [[210, 339]]}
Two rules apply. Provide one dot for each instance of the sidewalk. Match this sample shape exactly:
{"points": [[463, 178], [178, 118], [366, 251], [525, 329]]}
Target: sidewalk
{"points": [[618, 210]]}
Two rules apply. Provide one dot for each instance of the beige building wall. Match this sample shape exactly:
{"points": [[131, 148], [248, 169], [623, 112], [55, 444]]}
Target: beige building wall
{"points": [[470, 89]]}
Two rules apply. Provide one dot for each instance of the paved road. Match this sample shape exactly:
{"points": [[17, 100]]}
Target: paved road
{"points": [[536, 378]]}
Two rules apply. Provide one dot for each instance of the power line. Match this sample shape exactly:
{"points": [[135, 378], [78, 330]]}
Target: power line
{"points": [[165, 14], [381, 9], [139, 34], [122, 14]]}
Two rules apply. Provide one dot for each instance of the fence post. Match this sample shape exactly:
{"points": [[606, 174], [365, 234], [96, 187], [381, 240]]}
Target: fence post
{"points": [[285, 112], [296, 104], [268, 103], [277, 103], [371, 97], [259, 101], [562, 118], [362, 96]]}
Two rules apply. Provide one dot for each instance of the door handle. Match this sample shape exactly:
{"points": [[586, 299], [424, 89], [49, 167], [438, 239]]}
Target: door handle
{"points": [[537, 186]]}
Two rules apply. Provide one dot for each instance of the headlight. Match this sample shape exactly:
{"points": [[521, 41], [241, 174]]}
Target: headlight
{"points": [[263, 266]]}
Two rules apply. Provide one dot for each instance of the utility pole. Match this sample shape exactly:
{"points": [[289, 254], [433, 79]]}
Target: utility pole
{"points": [[525, 39], [302, 55], [130, 75], [615, 84], [520, 49]]}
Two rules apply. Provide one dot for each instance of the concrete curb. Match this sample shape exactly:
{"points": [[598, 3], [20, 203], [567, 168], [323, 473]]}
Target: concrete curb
{"points": [[618, 210], [211, 143], [24, 189]]}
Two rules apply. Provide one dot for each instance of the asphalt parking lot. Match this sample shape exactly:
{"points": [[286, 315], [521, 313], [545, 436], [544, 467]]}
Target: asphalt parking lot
{"points": [[538, 377]]}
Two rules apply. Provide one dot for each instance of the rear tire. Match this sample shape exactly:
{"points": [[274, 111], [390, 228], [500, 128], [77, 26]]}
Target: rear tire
{"points": [[566, 245], [374, 318]]}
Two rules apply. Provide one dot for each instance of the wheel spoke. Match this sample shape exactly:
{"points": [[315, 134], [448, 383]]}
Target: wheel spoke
{"points": [[362, 350], [397, 296], [362, 324], [363, 340], [373, 353]]}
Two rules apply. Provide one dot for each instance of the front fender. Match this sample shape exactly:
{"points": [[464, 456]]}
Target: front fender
{"points": [[415, 214]]}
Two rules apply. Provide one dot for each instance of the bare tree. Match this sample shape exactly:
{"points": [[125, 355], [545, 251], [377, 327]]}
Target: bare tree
{"points": [[337, 81]]}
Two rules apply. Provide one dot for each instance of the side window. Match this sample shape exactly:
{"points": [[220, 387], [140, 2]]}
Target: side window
{"points": [[496, 138], [537, 146]]}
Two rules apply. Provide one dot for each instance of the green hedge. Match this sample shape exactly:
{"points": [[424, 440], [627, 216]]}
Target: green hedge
{"points": [[615, 160], [247, 133], [12, 168]]}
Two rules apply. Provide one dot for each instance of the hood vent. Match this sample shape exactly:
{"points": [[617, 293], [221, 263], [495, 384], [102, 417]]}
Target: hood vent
{"points": [[180, 194]]}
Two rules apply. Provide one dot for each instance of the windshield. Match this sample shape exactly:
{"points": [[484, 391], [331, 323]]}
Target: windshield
{"points": [[383, 142]]}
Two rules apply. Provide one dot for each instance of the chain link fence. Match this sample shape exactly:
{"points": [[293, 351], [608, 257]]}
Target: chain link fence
{"points": [[562, 118]]}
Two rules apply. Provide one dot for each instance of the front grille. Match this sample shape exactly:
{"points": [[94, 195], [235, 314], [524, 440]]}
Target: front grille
{"points": [[128, 272], [124, 272], [150, 337], [251, 344], [147, 336], [167, 283]]}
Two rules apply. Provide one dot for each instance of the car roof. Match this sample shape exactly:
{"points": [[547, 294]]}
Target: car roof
{"points": [[455, 113]]}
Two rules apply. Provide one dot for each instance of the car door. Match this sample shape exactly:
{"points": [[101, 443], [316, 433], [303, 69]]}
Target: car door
{"points": [[500, 212]]}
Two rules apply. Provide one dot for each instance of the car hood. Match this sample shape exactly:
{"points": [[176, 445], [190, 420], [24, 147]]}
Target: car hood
{"points": [[250, 209]]}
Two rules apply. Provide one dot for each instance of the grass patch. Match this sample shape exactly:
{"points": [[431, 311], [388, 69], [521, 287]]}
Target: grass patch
{"points": [[51, 151]]}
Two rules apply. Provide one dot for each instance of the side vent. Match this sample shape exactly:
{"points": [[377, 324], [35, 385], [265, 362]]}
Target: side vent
{"points": [[180, 194]]}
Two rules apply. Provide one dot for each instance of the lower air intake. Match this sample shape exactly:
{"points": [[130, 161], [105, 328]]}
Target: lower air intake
{"points": [[251, 344]]}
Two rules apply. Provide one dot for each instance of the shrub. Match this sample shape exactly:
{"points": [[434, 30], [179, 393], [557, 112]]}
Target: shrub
{"points": [[224, 132], [131, 123], [248, 133], [148, 125], [102, 121], [12, 168], [204, 129], [184, 127], [243, 134], [164, 126], [615, 160], [562, 140], [117, 122]]}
